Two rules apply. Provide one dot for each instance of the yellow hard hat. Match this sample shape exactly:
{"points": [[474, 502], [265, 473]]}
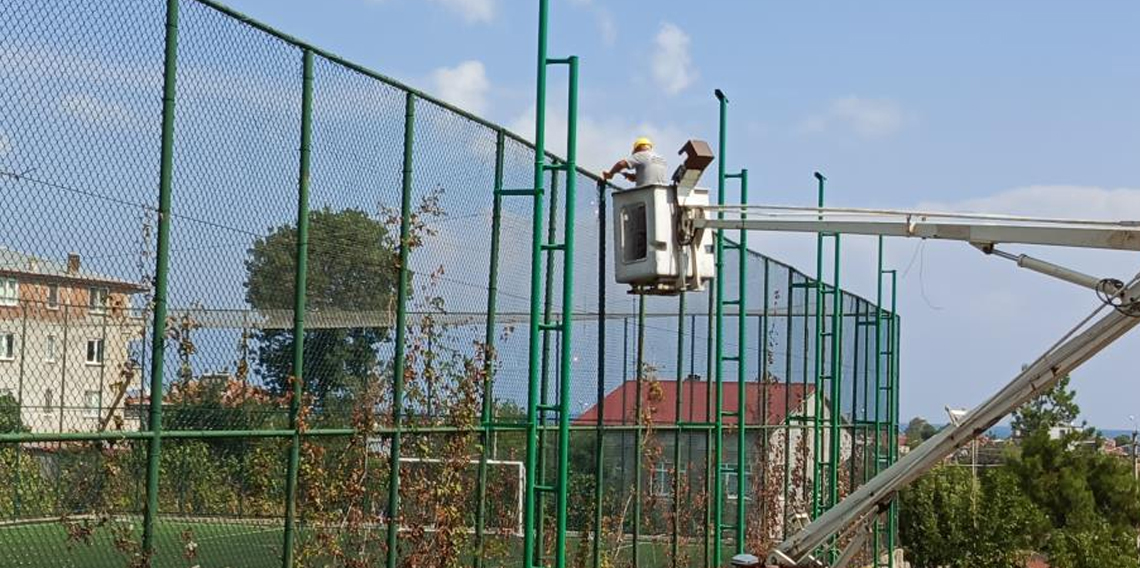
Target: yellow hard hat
{"points": [[643, 141]]}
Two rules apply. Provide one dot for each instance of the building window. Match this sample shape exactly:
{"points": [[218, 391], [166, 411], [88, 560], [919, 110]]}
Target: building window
{"points": [[49, 401], [94, 351], [53, 296], [51, 350], [730, 485], [97, 300], [91, 403], [9, 292], [7, 346], [661, 485]]}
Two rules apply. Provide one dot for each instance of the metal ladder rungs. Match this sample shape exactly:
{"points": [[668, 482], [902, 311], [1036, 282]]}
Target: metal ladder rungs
{"points": [[549, 407], [558, 60], [730, 358], [731, 302], [550, 326], [545, 488], [553, 246], [554, 167]]}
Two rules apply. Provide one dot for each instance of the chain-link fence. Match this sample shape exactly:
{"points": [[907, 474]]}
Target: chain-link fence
{"points": [[272, 153]]}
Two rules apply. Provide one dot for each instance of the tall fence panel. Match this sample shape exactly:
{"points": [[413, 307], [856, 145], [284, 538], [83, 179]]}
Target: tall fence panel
{"points": [[334, 435]]}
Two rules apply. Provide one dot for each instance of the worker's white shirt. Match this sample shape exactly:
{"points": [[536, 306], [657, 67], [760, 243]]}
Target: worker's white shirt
{"points": [[650, 168]]}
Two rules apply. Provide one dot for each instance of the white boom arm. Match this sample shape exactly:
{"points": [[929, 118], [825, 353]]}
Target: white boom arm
{"points": [[983, 231], [973, 228]]}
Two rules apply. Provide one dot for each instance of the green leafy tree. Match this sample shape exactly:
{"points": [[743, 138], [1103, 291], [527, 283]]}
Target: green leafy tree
{"points": [[1062, 498], [10, 421], [935, 519], [1055, 407], [918, 430], [352, 269]]}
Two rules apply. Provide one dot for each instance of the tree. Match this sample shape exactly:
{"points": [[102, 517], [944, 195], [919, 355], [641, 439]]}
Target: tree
{"points": [[10, 421], [352, 268], [1055, 407], [918, 430], [1062, 498], [934, 517]]}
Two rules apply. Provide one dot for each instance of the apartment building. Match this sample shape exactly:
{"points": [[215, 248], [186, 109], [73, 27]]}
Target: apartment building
{"points": [[66, 337]]}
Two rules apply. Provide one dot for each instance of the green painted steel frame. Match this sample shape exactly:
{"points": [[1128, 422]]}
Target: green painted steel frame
{"points": [[886, 331], [300, 287], [162, 273], [539, 324]]}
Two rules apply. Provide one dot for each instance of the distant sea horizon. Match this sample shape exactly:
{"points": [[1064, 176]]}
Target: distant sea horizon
{"points": [[1005, 431]]}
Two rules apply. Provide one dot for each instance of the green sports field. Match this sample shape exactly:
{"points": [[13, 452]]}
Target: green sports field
{"points": [[209, 543]]}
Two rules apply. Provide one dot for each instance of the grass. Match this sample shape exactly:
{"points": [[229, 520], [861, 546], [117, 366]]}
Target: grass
{"points": [[220, 543]]}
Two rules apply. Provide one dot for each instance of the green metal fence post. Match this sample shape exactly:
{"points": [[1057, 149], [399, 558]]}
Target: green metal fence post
{"points": [[675, 537], [544, 366], [718, 477], [562, 502], [789, 301], [893, 378], [637, 433], [599, 435], [710, 370], [765, 403], [487, 417], [300, 287], [876, 544], [741, 370], [398, 366], [836, 371], [162, 272], [533, 363], [820, 323]]}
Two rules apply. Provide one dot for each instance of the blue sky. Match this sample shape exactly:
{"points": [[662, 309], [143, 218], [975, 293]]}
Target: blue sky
{"points": [[1018, 107]]}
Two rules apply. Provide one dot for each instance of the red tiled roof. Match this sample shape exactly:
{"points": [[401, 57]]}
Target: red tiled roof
{"points": [[659, 398]]}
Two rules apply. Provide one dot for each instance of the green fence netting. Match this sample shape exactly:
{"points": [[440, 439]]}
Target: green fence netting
{"points": [[81, 136]]}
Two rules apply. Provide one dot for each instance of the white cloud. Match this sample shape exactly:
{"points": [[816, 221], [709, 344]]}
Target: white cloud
{"points": [[607, 27], [601, 142], [464, 85], [995, 316], [969, 321], [472, 11], [93, 110], [868, 118], [1068, 201], [673, 69]]}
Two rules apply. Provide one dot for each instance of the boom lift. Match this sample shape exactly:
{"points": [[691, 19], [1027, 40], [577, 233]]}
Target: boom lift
{"points": [[1120, 299], [680, 228]]}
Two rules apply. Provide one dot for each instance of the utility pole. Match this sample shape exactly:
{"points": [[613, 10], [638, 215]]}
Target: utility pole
{"points": [[1135, 464]]}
